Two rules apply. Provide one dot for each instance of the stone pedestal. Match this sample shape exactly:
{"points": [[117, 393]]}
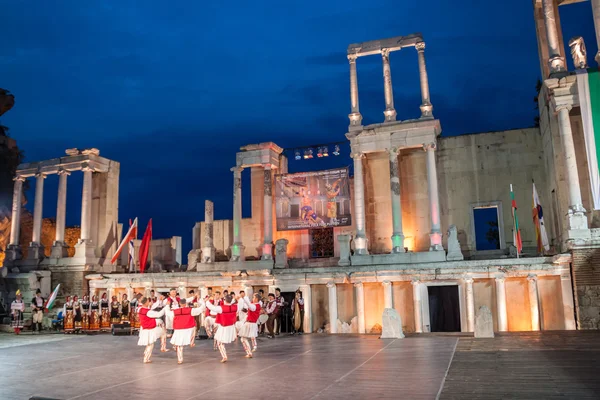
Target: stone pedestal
{"points": [[344, 243], [59, 250], [454, 252], [85, 249], [13, 253], [392, 325], [484, 324], [281, 259], [35, 251]]}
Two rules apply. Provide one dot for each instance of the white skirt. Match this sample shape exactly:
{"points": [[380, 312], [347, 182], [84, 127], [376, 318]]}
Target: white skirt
{"points": [[182, 337], [249, 330], [226, 334], [149, 336]]}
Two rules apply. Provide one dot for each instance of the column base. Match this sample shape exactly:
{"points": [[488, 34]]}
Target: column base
{"points": [[355, 119], [577, 220], [267, 251], [390, 115], [398, 243], [237, 252], [85, 249], [13, 252], [208, 255], [360, 246], [35, 251], [59, 250], [435, 238], [426, 111]]}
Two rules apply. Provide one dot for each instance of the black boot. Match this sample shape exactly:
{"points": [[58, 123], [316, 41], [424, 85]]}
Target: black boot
{"points": [[39, 327]]}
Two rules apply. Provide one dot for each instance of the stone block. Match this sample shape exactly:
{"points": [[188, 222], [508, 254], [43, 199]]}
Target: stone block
{"points": [[484, 324], [344, 242], [392, 325], [281, 259], [454, 252]]}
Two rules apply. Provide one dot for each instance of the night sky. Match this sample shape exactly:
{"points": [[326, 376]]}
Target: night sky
{"points": [[171, 90]]}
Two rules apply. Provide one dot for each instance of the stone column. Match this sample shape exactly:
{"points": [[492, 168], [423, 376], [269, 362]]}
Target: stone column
{"points": [[390, 112], [59, 248], [307, 296], [237, 249], [501, 305], [13, 250], [417, 305], [576, 215], [36, 250], [208, 248], [333, 311], [556, 62], [426, 107], [435, 236], [267, 250], [470, 301], [355, 116], [360, 306], [388, 296], [84, 247], [567, 301], [397, 235], [596, 13], [534, 302], [360, 240]]}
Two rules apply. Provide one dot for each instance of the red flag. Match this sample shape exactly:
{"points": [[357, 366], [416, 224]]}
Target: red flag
{"points": [[145, 246]]}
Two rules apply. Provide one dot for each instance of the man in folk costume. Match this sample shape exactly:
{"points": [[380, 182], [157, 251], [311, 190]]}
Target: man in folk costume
{"points": [[158, 305], [17, 308], [298, 313], [184, 326], [150, 328], [68, 324], [226, 315], [104, 312], [173, 301], [134, 319], [280, 301], [271, 309], [194, 301], [210, 317], [249, 329], [37, 310], [94, 314]]}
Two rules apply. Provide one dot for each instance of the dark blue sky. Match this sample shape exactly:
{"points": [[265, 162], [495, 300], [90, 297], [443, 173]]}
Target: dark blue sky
{"points": [[173, 89]]}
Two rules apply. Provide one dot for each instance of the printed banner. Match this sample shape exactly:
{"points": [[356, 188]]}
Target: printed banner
{"points": [[313, 200]]}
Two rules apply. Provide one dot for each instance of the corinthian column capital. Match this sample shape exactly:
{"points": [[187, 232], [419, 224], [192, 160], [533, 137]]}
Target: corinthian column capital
{"points": [[420, 46], [352, 58]]}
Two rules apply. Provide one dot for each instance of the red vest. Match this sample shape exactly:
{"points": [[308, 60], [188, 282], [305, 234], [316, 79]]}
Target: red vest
{"points": [[145, 321], [207, 312], [253, 315], [228, 316], [183, 318]]}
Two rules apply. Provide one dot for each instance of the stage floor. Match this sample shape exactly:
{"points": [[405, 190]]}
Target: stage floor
{"points": [[536, 365]]}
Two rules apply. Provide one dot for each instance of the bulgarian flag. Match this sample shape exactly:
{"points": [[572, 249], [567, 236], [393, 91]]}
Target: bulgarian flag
{"points": [[52, 298], [588, 88], [516, 231]]}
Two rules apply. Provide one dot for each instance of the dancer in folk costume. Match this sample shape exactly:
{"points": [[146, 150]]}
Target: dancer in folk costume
{"points": [[173, 301], [160, 304], [17, 308], [85, 314], [210, 317], [134, 318], [249, 329], [94, 314], [77, 314], [184, 326], [124, 309], [68, 324], [115, 309], [226, 316], [151, 327], [104, 312], [37, 310]]}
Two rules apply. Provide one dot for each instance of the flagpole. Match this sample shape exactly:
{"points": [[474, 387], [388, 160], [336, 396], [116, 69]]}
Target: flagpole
{"points": [[150, 244], [515, 233]]}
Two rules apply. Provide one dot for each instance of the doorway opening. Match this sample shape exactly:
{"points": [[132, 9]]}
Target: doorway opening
{"points": [[286, 314], [444, 308]]}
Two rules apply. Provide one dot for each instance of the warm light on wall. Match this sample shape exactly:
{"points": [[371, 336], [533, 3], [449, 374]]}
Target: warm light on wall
{"points": [[409, 243]]}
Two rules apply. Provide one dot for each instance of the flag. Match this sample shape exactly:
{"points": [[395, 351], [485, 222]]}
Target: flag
{"points": [[516, 231], [145, 246], [588, 90], [538, 221], [52, 298], [131, 258], [132, 233]]}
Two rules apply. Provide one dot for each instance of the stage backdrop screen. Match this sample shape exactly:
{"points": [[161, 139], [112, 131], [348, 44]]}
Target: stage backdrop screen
{"points": [[313, 200]]}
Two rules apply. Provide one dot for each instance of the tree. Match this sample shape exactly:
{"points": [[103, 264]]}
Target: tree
{"points": [[493, 235]]}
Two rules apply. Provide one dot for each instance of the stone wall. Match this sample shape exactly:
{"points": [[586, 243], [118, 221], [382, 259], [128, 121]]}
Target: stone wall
{"points": [[71, 283], [586, 284]]}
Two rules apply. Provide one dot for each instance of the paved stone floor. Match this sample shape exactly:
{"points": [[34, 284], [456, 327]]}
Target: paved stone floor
{"points": [[513, 366]]}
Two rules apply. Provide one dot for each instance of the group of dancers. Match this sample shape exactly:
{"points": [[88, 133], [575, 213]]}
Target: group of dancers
{"points": [[97, 315]]}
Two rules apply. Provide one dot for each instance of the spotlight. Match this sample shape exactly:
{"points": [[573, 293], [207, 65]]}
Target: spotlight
{"points": [[297, 155], [325, 151], [336, 150], [308, 153]]}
